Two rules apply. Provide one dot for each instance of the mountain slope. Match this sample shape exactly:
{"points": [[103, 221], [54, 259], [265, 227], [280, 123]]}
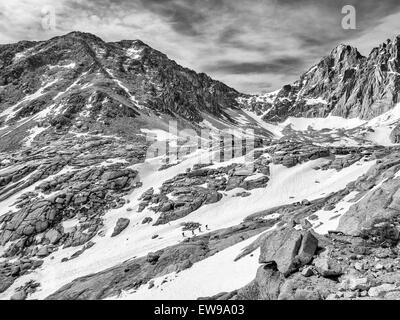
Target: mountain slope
{"points": [[102, 199], [140, 75]]}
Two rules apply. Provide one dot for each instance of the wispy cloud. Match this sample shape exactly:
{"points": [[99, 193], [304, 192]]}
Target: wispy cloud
{"points": [[253, 45]]}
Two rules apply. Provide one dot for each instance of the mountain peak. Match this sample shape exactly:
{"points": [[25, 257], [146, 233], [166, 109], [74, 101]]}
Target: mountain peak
{"points": [[344, 51], [81, 35]]}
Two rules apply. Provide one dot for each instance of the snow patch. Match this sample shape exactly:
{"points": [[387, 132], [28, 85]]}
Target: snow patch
{"points": [[312, 101], [133, 53], [33, 133], [219, 273]]}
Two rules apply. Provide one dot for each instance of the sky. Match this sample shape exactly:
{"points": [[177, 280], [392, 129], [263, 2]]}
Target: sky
{"points": [[254, 46]]}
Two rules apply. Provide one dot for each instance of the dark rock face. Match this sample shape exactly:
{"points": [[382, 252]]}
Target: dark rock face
{"points": [[343, 84], [121, 225], [266, 285]]}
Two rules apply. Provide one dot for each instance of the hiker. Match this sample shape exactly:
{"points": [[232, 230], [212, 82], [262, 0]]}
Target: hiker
{"points": [[192, 232], [199, 229], [183, 234], [206, 226]]}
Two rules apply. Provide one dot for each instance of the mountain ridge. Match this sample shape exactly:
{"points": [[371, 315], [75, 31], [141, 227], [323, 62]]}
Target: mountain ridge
{"points": [[345, 83], [134, 61]]}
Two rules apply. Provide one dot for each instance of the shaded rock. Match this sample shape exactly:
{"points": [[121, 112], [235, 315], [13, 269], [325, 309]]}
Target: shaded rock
{"points": [[308, 247], [152, 258], [395, 134], [265, 286], [121, 225], [43, 252], [282, 247], [147, 220], [289, 249], [372, 209]]}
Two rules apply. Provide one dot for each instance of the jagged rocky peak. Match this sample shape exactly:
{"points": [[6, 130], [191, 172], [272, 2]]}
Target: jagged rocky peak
{"points": [[346, 55], [343, 59], [344, 84], [387, 51]]}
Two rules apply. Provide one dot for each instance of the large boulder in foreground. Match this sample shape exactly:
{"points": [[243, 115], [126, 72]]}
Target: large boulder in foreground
{"points": [[378, 205], [289, 249]]}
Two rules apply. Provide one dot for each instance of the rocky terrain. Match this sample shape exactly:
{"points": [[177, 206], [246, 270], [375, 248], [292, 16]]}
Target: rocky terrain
{"points": [[102, 198]]}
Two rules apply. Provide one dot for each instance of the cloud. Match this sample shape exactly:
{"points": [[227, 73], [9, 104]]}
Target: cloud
{"points": [[278, 66], [252, 45]]}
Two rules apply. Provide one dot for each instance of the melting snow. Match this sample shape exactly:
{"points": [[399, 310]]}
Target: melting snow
{"points": [[330, 122], [33, 133], [121, 85], [66, 66], [329, 220], [311, 101], [10, 112], [133, 52]]}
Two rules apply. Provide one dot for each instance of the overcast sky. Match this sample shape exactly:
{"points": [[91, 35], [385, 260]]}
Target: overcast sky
{"points": [[254, 46]]}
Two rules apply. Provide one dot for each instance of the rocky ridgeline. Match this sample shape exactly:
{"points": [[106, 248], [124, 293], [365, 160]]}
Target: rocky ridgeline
{"points": [[343, 84], [189, 191], [291, 153]]}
